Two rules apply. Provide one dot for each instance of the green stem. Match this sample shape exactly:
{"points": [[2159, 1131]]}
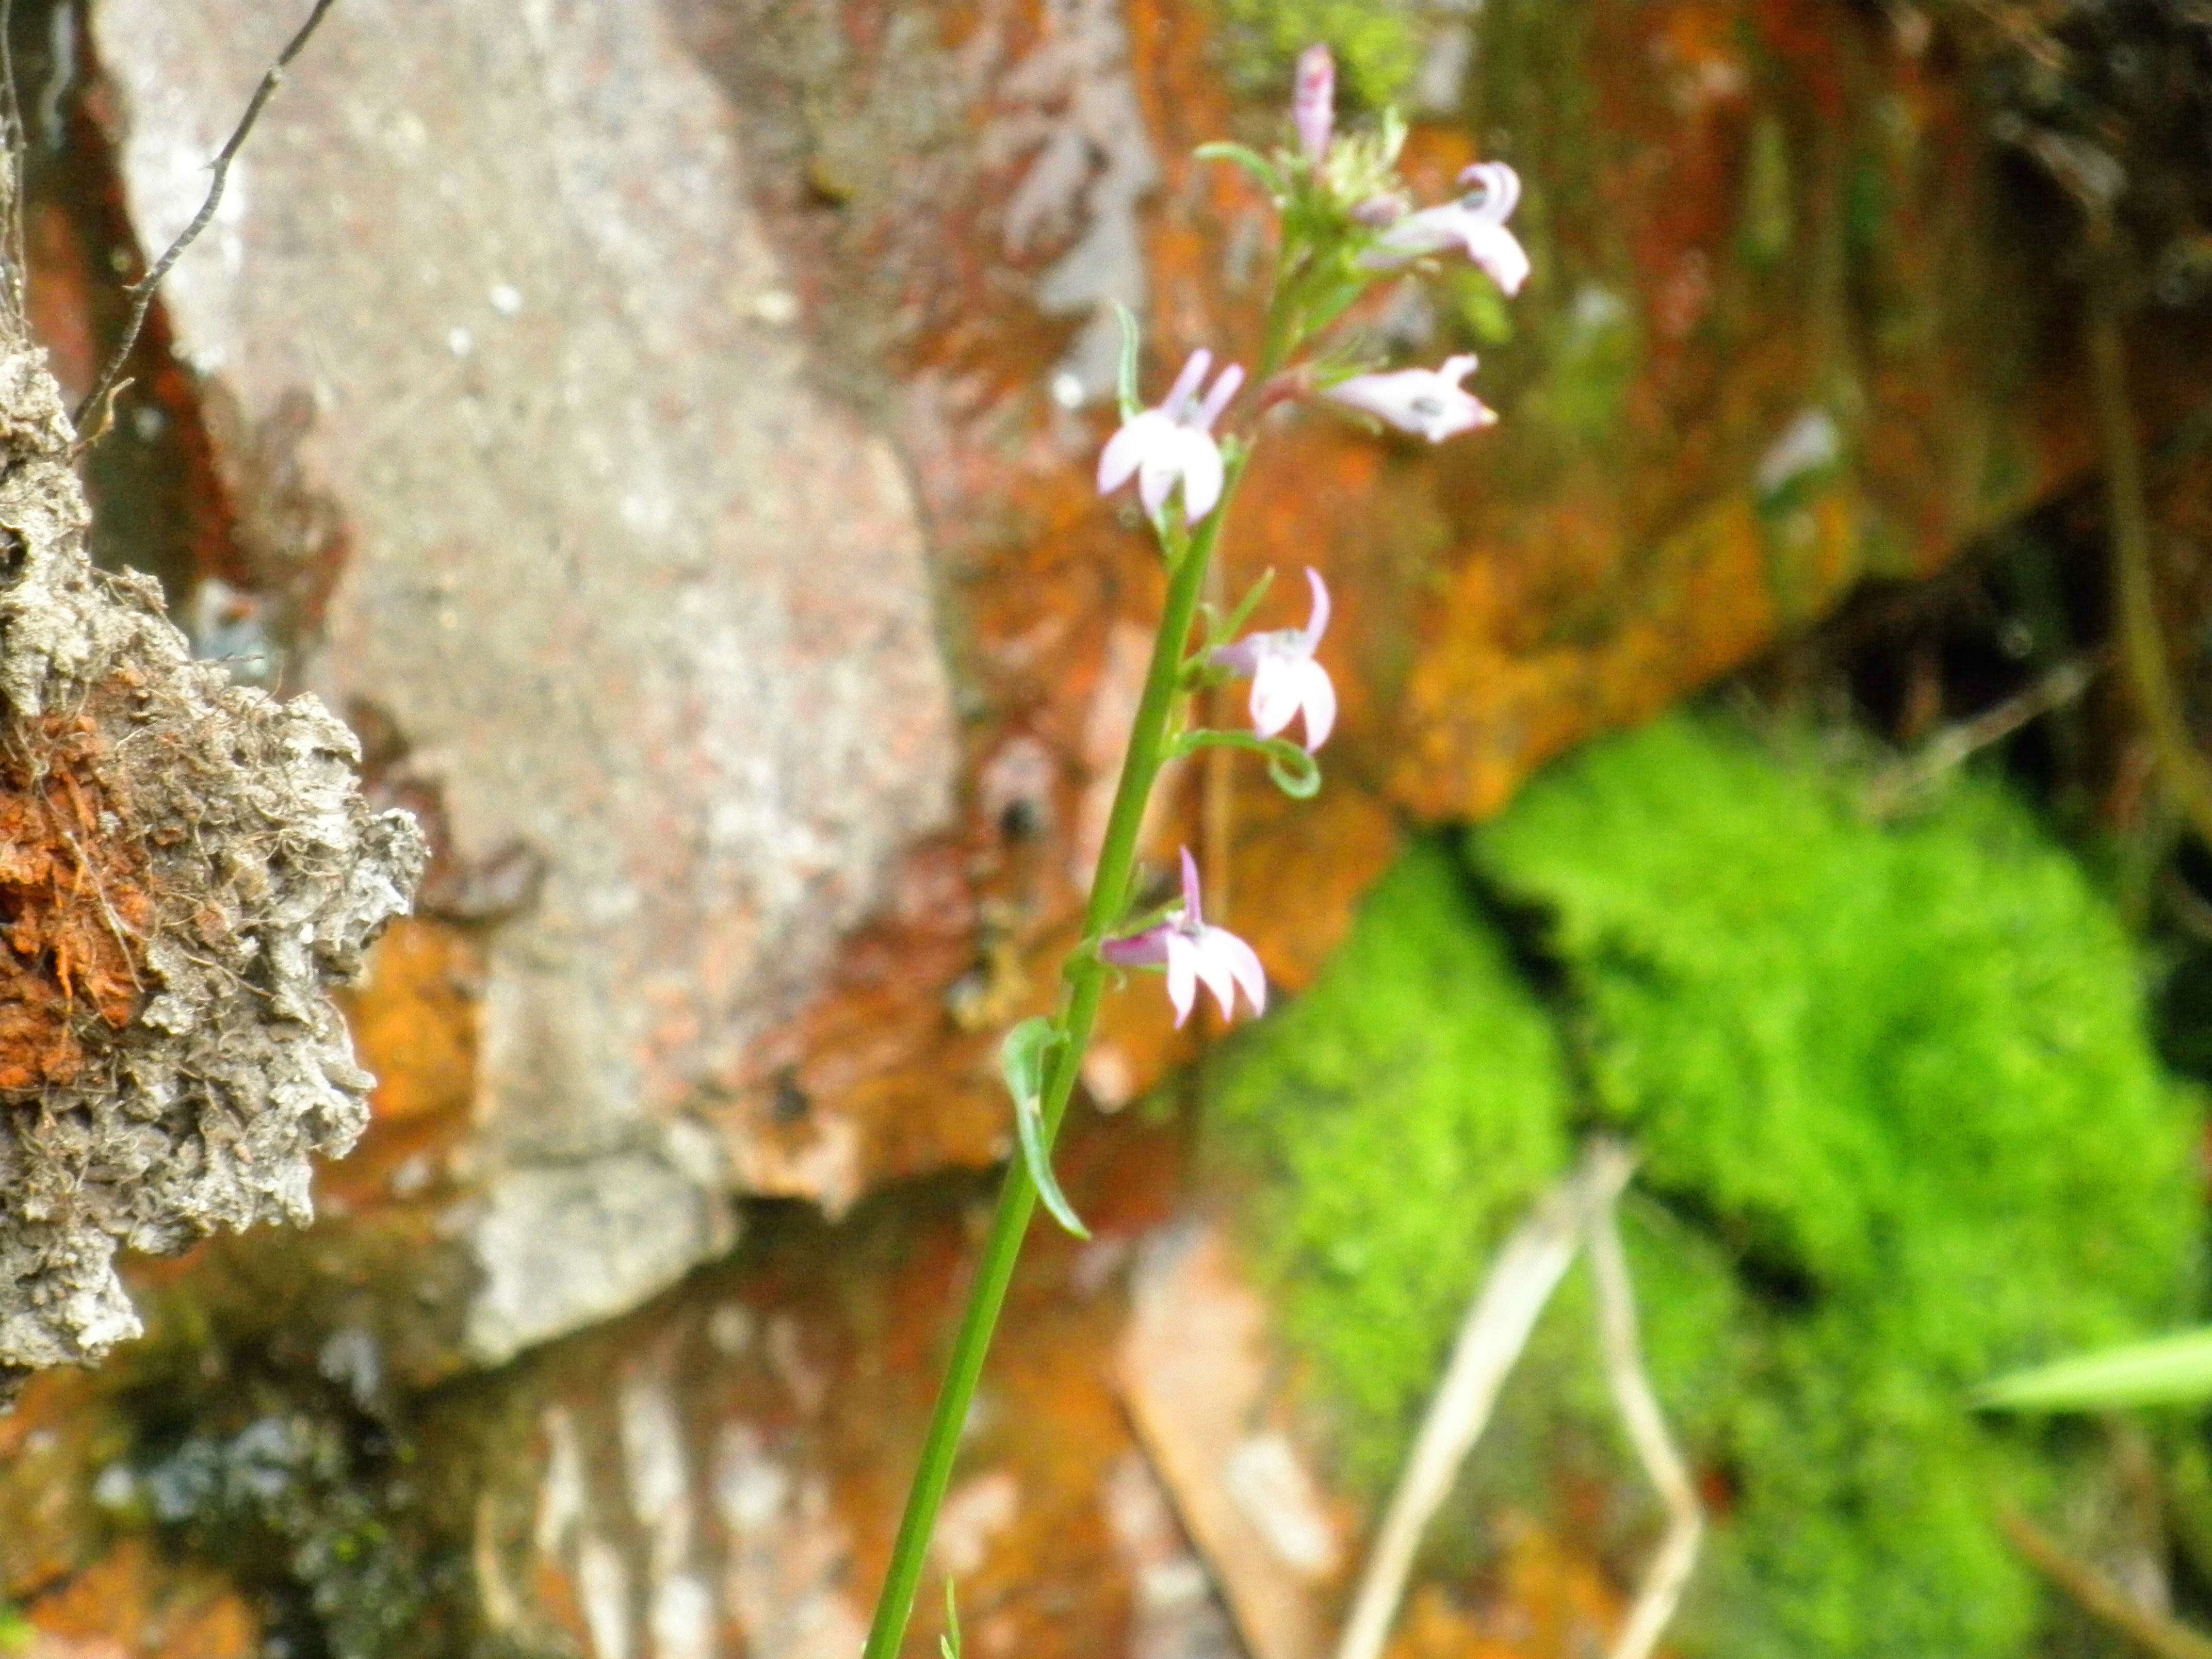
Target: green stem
{"points": [[1086, 983]]}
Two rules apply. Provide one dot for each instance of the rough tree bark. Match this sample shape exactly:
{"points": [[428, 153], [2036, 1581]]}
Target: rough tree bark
{"points": [[186, 868]]}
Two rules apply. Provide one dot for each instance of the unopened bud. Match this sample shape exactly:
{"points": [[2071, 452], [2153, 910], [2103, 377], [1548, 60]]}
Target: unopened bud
{"points": [[1377, 212], [1313, 103]]}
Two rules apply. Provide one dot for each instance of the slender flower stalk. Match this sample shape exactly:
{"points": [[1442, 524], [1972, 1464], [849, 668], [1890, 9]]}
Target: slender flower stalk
{"points": [[1086, 984], [1332, 194]]}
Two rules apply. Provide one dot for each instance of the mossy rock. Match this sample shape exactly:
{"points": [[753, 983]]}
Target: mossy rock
{"points": [[1901, 1124], [1398, 1116]]}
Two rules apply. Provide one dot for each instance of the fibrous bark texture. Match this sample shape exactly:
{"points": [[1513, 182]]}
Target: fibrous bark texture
{"points": [[186, 869]]}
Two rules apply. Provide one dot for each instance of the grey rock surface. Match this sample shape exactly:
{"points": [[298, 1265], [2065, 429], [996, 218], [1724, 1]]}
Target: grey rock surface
{"points": [[635, 595], [187, 867]]}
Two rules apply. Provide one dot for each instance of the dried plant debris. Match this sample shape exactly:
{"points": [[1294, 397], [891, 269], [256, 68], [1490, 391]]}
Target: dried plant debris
{"points": [[186, 867]]}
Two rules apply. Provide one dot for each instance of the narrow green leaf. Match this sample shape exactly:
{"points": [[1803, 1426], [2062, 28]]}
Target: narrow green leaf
{"points": [[1393, 133], [2175, 1369], [1250, 603], [1131, 338], [949, 1644], [1262, 170], [1022, 1060]]}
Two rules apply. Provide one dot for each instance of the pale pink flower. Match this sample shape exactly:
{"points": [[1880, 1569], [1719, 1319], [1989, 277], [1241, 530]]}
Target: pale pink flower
{"points": [[1175, 441], [1427, 401], [1476, 222], [1313, 104], [1192, 951], [1286, 681]]}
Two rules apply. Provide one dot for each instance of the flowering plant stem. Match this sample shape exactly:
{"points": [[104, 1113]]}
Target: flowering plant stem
{"points": [[1085, 983], [1327, 195]]}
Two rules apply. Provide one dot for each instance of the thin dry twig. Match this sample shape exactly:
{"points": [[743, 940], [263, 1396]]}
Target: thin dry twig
{"points": [[144, 290], [2143, 644], [2100, 1598], [1490, 1340], [1955, 744], [1655, 1598], [11, 120]]}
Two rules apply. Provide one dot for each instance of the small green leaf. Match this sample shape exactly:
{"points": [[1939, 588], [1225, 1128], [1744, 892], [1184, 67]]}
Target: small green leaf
{"points": [[1131, 338], [1262, 170], [1022, 1059], [2173, 1370], [1393, 133], [949, 1644]]}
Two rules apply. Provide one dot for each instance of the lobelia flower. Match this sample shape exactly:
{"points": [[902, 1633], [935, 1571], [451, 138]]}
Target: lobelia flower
{"points": [[1158, 446], [1286, 681], [1193, 952], [1429, 402], [1475, 222], [1313, 102]]}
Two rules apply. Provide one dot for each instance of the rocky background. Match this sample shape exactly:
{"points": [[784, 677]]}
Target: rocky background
{"points": [[664, 434]]}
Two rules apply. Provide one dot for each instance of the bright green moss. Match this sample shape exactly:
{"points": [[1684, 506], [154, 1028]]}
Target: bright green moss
{"points": [[1377, 44], [1400, 1116], [1902, 1128], [1901, 1075]]}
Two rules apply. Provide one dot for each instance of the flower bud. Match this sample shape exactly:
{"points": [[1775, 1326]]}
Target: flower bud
{"points": [[1313, 103]]}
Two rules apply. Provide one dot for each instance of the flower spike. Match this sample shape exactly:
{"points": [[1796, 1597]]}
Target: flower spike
{"points": [[1427, 402], [1193, 951], [1174, 443], [1286, 681]]}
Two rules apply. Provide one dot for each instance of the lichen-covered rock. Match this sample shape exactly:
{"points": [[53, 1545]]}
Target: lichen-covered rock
{"points": [[507, 365], [186, 867]]}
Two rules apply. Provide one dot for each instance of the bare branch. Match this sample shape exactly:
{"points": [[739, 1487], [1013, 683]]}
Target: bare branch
{"points": [[1490, 1342], [1955, 744], [1655, 1448], [2182, 766], [2099, 1596], [11, 129], [144, 290]]}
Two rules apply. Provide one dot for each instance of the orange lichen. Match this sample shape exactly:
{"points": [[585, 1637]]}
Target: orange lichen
{"points": [[131, 1602], [73, 907], [416, 1022], [1553, 1601]]}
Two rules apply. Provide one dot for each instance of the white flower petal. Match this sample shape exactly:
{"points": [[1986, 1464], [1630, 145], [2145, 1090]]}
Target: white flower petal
{"points": [[1274, 695], [1214, 967], [1202, 473], [1317, 624], [1177, 404], [1499, 254], [1317, 697], [1226, 385], [1156, 476], [1192, 911], [1182, 975], [1125, 450], [1244, 965]]}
